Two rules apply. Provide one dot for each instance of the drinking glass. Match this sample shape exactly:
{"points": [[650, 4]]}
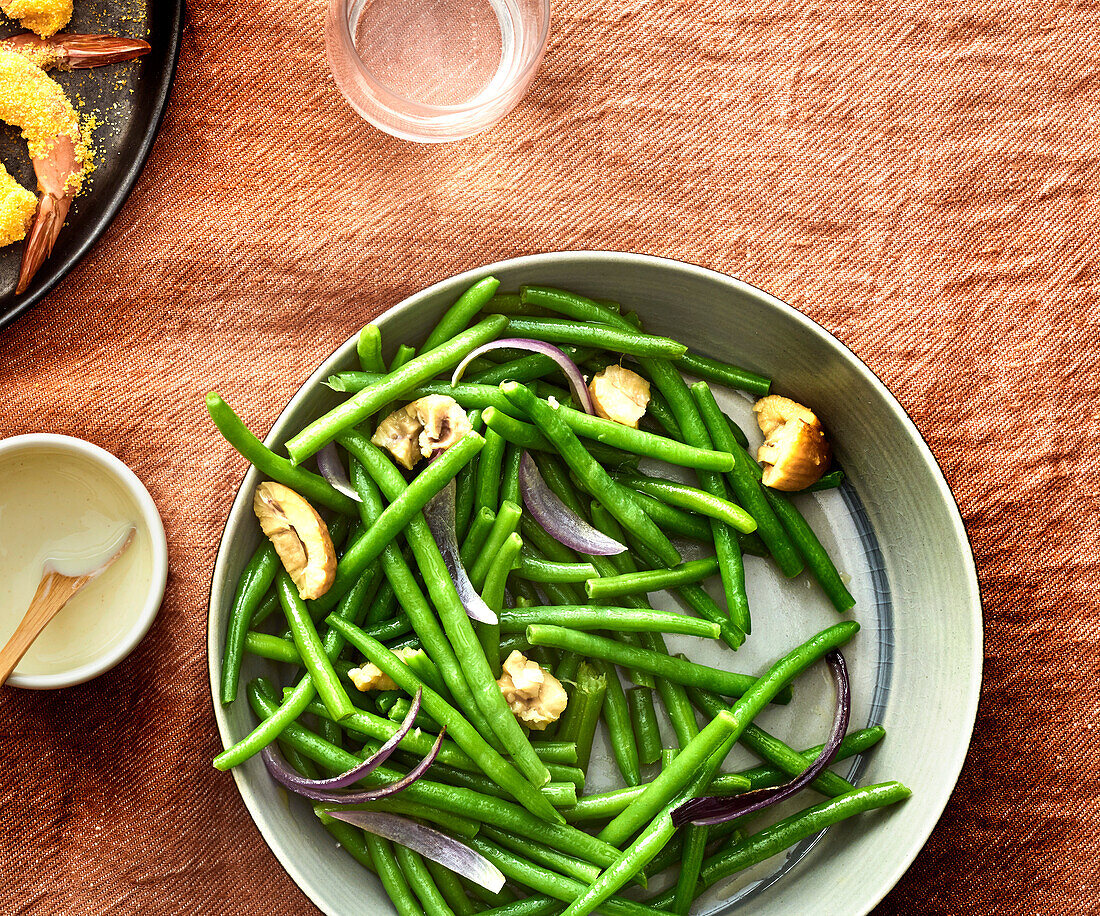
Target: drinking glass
{"points": [[435, 70]]}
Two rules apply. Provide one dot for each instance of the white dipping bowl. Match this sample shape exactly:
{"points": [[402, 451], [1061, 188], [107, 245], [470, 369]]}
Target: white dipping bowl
{"points": [[148, 521]]}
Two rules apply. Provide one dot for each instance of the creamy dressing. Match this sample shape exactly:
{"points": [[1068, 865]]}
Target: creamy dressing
{"points": [[67, 511]]}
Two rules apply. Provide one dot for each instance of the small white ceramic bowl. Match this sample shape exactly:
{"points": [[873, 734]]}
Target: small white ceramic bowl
{"points": [[149, 520]]}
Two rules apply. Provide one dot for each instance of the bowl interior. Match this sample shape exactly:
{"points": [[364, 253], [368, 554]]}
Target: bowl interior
{"points": [[893, 528]]}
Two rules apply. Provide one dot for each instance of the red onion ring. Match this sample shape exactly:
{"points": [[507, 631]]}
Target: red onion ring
{"points": [[718, 810], [328, 463], [440, 513], [282, 773], [572, 371], [557, 519], [430, 843]]}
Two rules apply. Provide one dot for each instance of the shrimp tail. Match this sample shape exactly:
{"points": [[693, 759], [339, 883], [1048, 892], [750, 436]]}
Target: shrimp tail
{"points": [[48, 220], [77, 52]]}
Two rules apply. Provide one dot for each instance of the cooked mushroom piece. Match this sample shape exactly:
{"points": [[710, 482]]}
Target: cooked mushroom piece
{"points": [[444, 422], [795, 452], [399, 434], [369, 676], [620, 395], [429, 424], [300, 537], [534, 695]]}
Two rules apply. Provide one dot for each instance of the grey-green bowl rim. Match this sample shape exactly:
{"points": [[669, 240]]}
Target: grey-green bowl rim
{"points": [[457, 283]]}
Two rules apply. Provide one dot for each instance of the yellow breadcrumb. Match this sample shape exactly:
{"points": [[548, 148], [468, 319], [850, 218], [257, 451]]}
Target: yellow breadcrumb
{"points": [[42, 16], [17, 206], [32, 101]]}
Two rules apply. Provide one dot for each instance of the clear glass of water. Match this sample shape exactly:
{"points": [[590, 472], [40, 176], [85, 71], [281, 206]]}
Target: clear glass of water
{"points": [[435, 70]]}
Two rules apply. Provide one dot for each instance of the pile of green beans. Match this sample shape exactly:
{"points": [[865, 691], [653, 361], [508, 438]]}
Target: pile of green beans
{"points": [[514, 795]]}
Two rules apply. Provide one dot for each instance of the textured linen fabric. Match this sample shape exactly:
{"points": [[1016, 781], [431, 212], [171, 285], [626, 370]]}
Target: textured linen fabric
{"points": [[921, 178]]}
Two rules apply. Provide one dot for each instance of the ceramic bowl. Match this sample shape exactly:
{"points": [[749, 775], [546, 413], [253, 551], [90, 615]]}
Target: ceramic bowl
{"points": [[893, 528]]}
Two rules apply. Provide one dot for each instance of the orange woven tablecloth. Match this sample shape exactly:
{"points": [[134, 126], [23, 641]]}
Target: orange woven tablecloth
{"points": [[922, 179]]}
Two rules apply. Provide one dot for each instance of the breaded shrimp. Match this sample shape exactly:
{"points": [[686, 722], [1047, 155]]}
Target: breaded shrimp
{"points": [[33, 102], [42, 16], [17, 206]]}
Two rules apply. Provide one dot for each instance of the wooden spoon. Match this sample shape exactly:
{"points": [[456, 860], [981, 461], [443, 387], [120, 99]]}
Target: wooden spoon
{"points": [[53, 593]]}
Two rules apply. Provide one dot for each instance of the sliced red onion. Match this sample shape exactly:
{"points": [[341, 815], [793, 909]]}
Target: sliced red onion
{"points": [[440, 513], [282, 773], [572, 371], [296, 781], [557, 519], [328, 463], [718, 810], [430, 843]]}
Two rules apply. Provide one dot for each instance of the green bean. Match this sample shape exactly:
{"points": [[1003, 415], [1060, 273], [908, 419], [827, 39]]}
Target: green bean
{"points": [[400, 709], [465, 492], [817, 558], [369, 349], [653, 580], [684, 497], [459, 315], [482, 808], [620, 734], [510, 304], [397, 515], [537, 569], [352, 840], [480, 527], [854, 743], [267, 607], [606, 805], [504, 896], [535, 905], [272, 647], [713, 370], [487, 492], [542, 855], [379, 728], [313, 487], [694, 851], [560, 752], [643, 718], [594, 478], [583, 712], [403, 355], [312, 651], [461, 731], [673, 520], [772, 750], [562, 773], [420, 880], [727, 683], [466, 394], [425, 620], [393, 880], [534, 534], [830, 481], [659, 410], [362, 405], [506, 522], [555, 885], [557, 478], [555, 330], [734, 721], [797, 827], [749, 490], [420, 612], [525, 369], [451, 888], [617, 619], [558, 794], [255, 580], [697, 599], [384, 604], [607, 432], [493, 595], [509, 485]]}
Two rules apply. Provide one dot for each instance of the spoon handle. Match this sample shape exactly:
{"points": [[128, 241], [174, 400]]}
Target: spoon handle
{"points": [[53, 592]]}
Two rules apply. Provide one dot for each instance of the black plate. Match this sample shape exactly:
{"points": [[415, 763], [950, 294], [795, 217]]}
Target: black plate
{"points": [[129, 102]]}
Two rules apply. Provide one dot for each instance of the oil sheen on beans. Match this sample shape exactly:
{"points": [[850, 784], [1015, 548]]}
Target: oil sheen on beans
{"points": [[66, 509]]}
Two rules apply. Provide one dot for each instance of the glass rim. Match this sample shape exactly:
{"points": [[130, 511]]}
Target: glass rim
{"points": [[414, 109]]}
